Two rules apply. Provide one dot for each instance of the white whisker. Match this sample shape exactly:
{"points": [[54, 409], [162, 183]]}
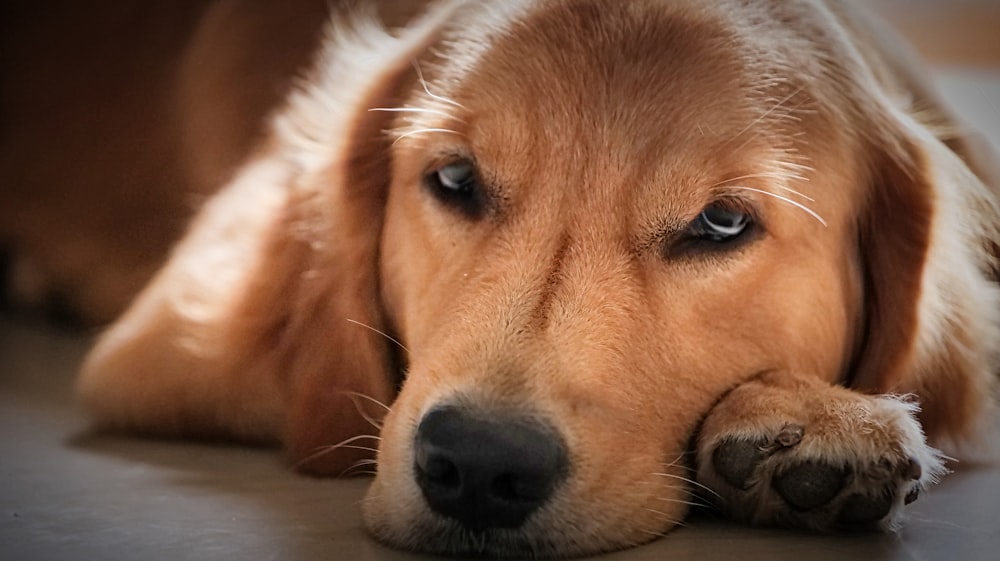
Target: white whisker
{"points": [[797, 166], [377, 425], [348, 443], [793, 191], [772, 175], [677, 459], [427, 90], [355, 399], [423, 131], [774, 108], [358, 464], [652, 533], [688, 480], [369, 398], [382, 333], [683, 502], [353, 447], [357, 472], [666, 518], [797, 205], [415, 110]]}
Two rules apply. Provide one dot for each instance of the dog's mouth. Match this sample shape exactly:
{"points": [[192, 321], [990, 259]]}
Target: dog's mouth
{"points": [[509, 484], [449, 538], [547, 471]]}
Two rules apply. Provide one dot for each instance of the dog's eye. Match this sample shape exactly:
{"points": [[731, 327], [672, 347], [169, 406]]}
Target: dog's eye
{"points": [[457, 185], [719, 223], [721, 226]]}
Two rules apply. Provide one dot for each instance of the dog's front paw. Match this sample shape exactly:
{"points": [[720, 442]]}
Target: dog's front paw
{"points": [[817, 457]]}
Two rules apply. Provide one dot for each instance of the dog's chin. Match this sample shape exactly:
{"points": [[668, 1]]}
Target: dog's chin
{"points": [[448, 538], [562, 529], [440, 536]]}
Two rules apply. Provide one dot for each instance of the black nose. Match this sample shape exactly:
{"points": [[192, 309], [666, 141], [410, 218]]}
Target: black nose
{"points": [[487, 472]]}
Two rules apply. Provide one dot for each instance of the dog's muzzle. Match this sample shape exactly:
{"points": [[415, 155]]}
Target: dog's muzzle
{"points": [[487, 471]]}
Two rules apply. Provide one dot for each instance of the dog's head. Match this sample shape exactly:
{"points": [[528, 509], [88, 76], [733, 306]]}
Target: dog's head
{"points": [[585, 222], [599, 217], [594, 228]]}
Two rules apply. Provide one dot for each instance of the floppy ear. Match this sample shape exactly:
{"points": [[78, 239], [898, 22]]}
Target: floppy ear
{"points": [[252, 328], [928, 238]]}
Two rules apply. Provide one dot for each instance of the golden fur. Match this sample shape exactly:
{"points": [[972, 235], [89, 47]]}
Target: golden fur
{"points": [[325, 276]]}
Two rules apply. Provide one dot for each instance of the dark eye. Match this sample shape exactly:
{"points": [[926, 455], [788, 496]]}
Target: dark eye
{"points": [[719, 223], [457, 185], [720, 227]]}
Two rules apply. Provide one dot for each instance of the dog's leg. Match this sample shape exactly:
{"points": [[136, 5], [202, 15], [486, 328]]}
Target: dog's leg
{"points": [[796, 451]]}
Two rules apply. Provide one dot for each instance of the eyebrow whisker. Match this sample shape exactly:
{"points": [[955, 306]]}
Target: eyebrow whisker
{"points": [[772, 175], [416, 110], [774, 108], [796, 204], [422, 131], [427, 90]]}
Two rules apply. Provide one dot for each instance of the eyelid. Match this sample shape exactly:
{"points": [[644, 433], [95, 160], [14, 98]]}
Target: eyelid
{"points": [[439, 159], [737, 200]]}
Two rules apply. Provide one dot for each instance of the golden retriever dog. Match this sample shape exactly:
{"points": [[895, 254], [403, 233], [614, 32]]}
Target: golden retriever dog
{"points": [[568, 265]]}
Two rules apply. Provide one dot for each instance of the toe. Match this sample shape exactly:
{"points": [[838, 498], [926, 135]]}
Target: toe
{"points": [[810, 484], [737, 459], [860, 510]]}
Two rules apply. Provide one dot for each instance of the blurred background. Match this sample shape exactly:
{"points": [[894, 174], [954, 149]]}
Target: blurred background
{"points": [[948, 32], [960, 40]]}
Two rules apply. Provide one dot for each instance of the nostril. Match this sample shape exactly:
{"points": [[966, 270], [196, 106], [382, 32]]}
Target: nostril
{"points": [[434, 469], [443, 472]]}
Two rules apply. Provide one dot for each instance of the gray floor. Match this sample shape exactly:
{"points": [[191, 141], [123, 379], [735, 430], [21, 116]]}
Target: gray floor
{"points": [[68, 494]]}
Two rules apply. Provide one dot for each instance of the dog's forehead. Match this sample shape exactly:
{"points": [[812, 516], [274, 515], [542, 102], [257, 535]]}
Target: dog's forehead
{"points": [[612, 85]]}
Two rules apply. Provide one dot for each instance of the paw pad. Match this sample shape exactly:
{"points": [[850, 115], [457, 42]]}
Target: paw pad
{"points": [[860, 510], [816, 493], [736, 460], [810, 484], [847, 462]]}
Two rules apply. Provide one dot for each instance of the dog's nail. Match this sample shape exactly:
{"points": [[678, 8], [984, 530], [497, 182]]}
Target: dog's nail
{"points": [[863, 510], [914, 470], [737, 459], [810, 484], [913, 495], [789, 436]]}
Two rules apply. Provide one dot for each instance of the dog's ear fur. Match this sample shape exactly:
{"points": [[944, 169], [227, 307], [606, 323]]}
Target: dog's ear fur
{"points": [[928, 237], [252, 328]]}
